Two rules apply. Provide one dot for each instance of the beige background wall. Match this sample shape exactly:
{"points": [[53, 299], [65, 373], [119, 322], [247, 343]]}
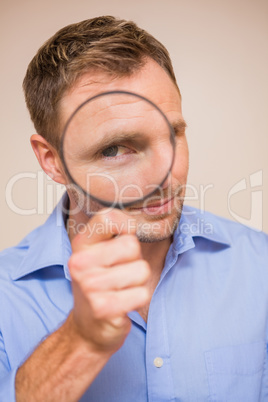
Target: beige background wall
{"points": [[220, 55]]}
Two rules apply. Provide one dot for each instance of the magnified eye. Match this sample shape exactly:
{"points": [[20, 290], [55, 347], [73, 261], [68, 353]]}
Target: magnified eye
{"points": [[115, 150]]}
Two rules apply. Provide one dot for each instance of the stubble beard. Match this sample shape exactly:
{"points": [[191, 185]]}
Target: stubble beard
{"points": [[162, 228], [150, 228]]}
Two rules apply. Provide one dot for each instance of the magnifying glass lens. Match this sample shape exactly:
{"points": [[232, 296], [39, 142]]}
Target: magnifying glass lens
{"points": [[118, 147]]}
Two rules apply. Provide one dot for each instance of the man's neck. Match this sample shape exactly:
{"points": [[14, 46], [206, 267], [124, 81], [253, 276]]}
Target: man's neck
{"points": [[155, 254]]}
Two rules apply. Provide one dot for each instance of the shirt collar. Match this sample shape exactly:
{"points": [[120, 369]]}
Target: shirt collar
{"points": [[197, 223], [194, 223], [49, 244]]}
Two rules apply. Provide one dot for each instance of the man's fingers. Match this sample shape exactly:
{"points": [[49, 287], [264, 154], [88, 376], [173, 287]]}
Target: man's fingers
{"points": [[102, 227], [121, 249], [108, 277], [122, 276], [113, 304]]}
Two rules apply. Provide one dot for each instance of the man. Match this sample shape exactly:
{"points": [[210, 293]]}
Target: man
{"points": [[166, 313]]}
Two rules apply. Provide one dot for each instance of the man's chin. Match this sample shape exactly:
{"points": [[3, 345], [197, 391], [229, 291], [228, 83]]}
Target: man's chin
{"points": [[155, 230]]}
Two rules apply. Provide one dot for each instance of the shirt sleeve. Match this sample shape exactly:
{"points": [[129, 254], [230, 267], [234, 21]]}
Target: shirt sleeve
{"points": [[7, 376]]}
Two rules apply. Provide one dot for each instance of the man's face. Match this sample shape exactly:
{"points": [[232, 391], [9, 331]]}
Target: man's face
{"points": [[157, 217]]}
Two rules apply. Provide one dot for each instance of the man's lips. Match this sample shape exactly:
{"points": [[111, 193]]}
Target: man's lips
{"points": [[156, 206]]}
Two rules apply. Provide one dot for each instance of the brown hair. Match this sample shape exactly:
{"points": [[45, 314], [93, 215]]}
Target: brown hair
{"points": [[107, 44]]}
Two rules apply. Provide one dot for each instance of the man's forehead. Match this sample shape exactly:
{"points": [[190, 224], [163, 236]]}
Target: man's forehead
{"points": [[150, 81]]}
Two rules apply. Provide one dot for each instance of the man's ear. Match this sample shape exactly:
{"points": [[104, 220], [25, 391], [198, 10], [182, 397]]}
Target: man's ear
{"points": [[48, 158]]}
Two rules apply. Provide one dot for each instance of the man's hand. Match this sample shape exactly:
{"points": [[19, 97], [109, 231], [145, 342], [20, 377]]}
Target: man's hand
{"points": [[109, 279]]}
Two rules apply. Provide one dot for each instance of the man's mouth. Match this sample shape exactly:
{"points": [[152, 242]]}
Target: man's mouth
{"points": [[157, 207]]}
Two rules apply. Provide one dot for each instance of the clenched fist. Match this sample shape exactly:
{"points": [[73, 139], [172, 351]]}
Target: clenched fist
{"points": [[109, 280]]}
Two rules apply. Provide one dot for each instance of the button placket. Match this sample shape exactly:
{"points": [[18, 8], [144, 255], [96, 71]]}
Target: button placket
{"points": [[158, 369], [158, 362]]}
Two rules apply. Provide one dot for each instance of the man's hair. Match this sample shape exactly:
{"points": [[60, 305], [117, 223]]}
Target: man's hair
{"points": [[106, 44]]}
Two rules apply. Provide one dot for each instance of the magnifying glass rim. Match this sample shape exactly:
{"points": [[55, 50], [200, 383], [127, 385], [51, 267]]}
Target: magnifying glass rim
{"points": [[119, 205]]}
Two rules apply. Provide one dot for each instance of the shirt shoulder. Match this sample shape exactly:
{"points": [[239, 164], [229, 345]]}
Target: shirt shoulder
{"points": [[46, 246], [11, 257], [241, 239]]}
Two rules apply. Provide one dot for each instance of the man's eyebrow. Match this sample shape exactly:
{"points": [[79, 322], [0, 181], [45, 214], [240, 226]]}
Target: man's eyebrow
{"points": [[179, 126], [118, 138], [135, 138], [109, 141]]}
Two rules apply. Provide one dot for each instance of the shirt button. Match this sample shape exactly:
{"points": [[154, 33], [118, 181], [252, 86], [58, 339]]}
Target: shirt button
{"points": [[158, 362]]}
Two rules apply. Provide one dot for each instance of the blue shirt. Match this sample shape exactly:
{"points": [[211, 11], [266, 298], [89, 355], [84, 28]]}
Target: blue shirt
{"points": [[206, 334]]}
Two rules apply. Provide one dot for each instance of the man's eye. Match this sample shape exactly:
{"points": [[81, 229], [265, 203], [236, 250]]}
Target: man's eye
{"points": [[115, 150]]}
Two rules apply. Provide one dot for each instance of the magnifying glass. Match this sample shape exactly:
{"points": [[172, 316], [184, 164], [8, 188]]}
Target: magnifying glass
{"points": [[118, 147]]}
